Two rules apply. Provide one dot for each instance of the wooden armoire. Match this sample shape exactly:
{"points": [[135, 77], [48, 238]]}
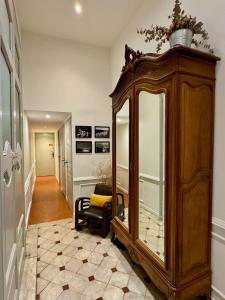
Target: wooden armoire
{"points": [[163, 124]]}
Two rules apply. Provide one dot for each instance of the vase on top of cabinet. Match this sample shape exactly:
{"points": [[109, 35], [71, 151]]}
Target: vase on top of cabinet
{"points": [[163, 123]]}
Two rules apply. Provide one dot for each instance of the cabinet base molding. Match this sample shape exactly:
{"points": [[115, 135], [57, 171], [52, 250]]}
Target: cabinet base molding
{"points": [[200, 286]]}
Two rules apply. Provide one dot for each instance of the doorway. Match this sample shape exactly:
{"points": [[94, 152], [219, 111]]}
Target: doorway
{"points": [[51, 143], [45, 154], [65, 161]]}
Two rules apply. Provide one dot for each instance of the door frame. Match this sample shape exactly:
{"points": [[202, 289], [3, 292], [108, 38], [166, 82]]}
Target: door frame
{"points": [[69, 118], [70, 201]]}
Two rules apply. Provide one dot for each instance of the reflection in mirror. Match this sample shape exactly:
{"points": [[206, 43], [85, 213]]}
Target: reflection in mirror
{"points": [[5, 98], [122, 159], [151, 171]]}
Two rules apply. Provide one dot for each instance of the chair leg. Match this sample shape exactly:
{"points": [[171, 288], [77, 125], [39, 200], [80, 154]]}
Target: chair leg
{"points": [[104, 230], [77, 227]]}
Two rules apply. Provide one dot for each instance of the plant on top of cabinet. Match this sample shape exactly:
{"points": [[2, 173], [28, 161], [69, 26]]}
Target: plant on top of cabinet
{"points": [[182, 31]]}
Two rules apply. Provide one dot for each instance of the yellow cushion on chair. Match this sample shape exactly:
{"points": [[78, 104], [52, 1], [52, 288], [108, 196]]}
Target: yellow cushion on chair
{"points": [[99, 200]]}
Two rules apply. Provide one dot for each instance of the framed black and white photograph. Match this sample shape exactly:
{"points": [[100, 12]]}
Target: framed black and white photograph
{"points": [[83, 132], [102, 147], [102, 132], [83, 147]]}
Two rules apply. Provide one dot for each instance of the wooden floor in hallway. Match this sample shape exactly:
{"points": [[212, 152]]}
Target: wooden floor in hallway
{"points": [[49, 203]]}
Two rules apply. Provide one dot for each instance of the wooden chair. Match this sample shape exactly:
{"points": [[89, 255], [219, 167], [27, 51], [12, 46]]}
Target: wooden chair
{"points": [[97, 217]]}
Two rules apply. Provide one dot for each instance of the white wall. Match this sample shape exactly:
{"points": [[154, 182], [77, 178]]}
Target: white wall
{"points": [[212, 15], [64, 76]]}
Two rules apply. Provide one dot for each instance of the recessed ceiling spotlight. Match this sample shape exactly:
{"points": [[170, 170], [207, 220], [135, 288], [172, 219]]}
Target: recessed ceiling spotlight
{"points": [[47, 116], [78, 7]]}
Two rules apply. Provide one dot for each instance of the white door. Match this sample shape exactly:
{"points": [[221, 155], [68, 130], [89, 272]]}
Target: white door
{"points": [[11, 157], [7, 182], [68, 163], [45, 154]]}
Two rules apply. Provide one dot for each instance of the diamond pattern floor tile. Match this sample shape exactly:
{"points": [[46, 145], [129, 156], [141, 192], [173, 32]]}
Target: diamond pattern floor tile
{"points": [[82, 266]]}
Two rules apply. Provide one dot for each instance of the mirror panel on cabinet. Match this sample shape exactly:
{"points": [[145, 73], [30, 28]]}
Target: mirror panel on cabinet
{"points": [[151, 171], [122, 161]]}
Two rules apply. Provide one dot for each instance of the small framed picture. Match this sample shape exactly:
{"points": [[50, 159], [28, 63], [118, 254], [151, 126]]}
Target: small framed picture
{"points": [[102, 132], [83, 132], [83, 147], [102, 147]]}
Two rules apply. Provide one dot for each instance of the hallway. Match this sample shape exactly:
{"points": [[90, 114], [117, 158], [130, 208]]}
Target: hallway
{"points": [[49, 203]]}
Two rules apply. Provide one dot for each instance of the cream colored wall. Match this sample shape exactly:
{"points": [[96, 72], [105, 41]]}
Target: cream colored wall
{"points": [[122, 156], [60, 75], [212, 14], [26, 146], [149, 135], [122, 142]]}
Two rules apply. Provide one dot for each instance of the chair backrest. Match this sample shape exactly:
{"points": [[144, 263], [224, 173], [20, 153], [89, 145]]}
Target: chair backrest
{"points": [[103, 189]]}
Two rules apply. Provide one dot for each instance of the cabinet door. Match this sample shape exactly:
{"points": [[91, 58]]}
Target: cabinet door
{"points": [[7, 180], [151, 176]]}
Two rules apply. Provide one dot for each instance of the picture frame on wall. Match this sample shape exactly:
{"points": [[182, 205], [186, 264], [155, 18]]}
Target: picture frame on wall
{"points": [[83, 132], [102, 132], [83, 147], [102, 147]]}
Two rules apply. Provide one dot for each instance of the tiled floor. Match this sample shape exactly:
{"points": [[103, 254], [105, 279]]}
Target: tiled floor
{"points": [[151, 231], [79, 266]]}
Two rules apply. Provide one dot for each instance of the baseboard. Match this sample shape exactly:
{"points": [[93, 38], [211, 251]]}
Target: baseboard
{"points": [[33, 185], [122, 189], [155, 213], [29, 188], [218, 222], [218, 230], [29, 176], [87, 178], [28, 213], [216, 294]]}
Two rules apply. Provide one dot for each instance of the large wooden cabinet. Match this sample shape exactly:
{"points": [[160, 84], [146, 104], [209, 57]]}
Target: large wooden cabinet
{"points": [[163, 123]]}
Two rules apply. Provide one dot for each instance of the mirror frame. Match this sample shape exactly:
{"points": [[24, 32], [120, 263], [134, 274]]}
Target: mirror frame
{"points": [[127, 96], [147, 86]]}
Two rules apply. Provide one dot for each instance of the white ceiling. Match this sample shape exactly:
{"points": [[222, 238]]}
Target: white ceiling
{"points": [[38, 120], [99, 24]]}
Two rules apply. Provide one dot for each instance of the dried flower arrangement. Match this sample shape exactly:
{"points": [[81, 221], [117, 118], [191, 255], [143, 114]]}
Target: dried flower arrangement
{"points": [[180, 20], [103, 170]]}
